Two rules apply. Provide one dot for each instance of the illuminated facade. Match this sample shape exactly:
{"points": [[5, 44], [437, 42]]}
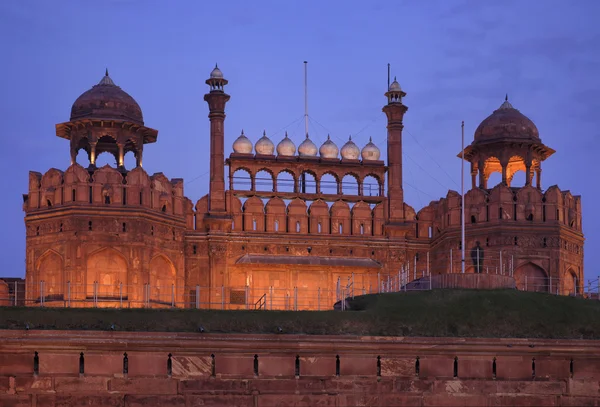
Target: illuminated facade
{"points": [[284, 220]]}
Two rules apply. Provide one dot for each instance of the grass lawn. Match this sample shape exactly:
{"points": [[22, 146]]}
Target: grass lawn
{"points": [[453, 313]]}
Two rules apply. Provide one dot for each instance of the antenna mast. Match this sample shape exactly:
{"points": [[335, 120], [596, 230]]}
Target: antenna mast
{"points": [[462, 193], [388, 88], [305, 98]]}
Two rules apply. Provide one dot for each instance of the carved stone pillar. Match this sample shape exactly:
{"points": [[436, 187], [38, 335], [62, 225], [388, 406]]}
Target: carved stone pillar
{"points": [[121, 155], [538, 178], [93, 153], [527, 173], [482, 179], [504, 173]]}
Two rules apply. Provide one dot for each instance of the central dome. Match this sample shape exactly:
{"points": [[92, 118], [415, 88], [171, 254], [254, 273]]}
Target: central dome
{"points": [[506, 122], [107, 101]]}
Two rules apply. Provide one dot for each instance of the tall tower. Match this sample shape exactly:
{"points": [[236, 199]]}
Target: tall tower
{"points": [[216, 99], [394, 111]]}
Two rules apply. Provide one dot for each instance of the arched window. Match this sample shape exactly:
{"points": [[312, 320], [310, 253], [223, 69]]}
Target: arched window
{"points": [[164, 208], [285, 182], [371, 186], [362, 229], [241, 181], [430, 232], [276, 225], [308, 184], [253, 224], [340, 227], [319, 227], [329, 184], [297, 227], [107, 199], [349, 185], [263, 181], [473, 219]]}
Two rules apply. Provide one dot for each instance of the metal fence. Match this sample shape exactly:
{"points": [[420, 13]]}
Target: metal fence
{"points": [[45, 294]]}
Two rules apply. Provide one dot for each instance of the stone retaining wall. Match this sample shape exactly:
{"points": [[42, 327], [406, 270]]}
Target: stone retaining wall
{"points": [[291, 370]]}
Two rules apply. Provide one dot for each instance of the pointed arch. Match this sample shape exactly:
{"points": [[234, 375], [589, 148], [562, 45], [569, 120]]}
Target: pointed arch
{"points": [[531, 277], [50, 271], [319, 217], [162, 279], [108, 268]]}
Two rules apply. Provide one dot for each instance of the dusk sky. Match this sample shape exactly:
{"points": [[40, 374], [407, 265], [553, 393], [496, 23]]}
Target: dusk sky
{"points": [[455, 59]]}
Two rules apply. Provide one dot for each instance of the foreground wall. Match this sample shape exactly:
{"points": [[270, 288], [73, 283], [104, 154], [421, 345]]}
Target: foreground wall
{"points": [[80, 368]]}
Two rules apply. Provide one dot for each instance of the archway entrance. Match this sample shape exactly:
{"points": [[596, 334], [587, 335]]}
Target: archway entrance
{"points": [[570, 283], [106, 275], [50, 278], [530, 277], [162, 280]]}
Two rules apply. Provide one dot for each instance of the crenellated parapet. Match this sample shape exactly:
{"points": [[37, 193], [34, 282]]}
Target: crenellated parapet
{"points": [[106, 188]]}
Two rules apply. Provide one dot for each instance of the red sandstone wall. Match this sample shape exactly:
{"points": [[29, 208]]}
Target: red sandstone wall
{"points": [[358, 379]]}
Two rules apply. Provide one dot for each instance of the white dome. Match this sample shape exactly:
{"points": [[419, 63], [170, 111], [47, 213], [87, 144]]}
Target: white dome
{"points": [[350, 151], [216, 73], [370, 152], [264, 145], [307, 148], [286, 147], [242, 145], [395, 86], [329, 149]]}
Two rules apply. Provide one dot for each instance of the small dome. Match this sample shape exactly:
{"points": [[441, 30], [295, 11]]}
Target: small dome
{"points": [[506, 122], [216, 73], [286, 147], [329, 149], [307, 148], [370, 152], [264, 145], [395, 86], [350, 151], [242, 145], [106, 101]]}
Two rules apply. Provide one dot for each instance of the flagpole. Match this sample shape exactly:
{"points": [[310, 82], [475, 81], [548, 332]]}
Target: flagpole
{"points": [[462, 193]]}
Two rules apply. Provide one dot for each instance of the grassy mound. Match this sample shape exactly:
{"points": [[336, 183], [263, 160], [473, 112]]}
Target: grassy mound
{"points": [[452, 313]]}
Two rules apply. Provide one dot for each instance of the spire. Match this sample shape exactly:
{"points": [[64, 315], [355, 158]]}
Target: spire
{"points": [[328, 137], [506, 98], [106, 79]]}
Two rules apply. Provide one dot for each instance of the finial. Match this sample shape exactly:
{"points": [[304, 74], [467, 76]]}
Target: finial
{"points": [[506, 98], [216, 65], [370, 139], [395, 78], [242, 132], [350, 137], [307, 136], [286, 134], [328, 137], [264, 133], [106, 72]]}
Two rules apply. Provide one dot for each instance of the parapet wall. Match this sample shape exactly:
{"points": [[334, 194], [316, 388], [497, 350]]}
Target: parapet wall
{"points": [[186, 370]]}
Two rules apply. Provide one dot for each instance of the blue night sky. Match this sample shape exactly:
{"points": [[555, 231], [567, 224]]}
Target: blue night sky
{"points": [[455, 59]]}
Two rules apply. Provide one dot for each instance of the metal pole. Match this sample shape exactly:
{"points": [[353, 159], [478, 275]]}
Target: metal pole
{"points": [[477, 271], [121, 294], [428, 271], [173, 295], [68, 294], [512, 265], [41, 293], [247, 292], [319, 299], [352, 285], [451, 268], [462, 192], [16, 293], [198, 297], [501, 262], [296, 297], [525, 283], [378, 282], [415, 272], [306, 98], [222, 297], [271, 290]]}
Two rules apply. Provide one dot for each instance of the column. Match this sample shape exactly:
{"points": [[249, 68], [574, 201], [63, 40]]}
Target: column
{"points": [[538, 178], [527, 173], [93, 153], [504, 177], [482, 180], [121, 157]]}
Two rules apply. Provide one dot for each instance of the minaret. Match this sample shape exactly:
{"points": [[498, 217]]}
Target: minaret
{"points": [[394, 111], [217, 98]]}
